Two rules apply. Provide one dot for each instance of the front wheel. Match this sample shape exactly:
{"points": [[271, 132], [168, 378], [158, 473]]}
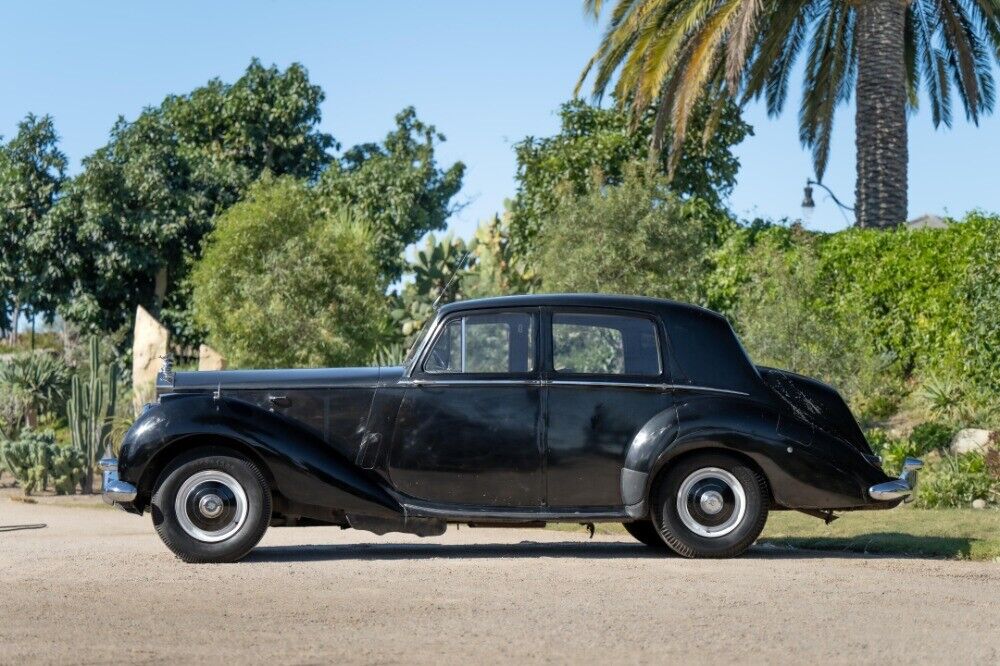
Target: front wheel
{"points": [[710, 505], [211, 505]]}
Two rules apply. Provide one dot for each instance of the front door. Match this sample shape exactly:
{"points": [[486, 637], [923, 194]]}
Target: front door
{"points": [[467, 431]]}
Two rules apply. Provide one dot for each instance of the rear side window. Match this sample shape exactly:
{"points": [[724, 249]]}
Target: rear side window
{"points": [[599, 344], [484, 343]]}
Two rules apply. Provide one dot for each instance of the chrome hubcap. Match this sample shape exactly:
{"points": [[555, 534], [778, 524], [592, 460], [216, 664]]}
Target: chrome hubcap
{"points": [[711, 502], [211, 506]]}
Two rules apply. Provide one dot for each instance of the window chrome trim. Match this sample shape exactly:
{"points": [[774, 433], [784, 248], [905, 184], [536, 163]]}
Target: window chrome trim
{"points": [[471, 382]]}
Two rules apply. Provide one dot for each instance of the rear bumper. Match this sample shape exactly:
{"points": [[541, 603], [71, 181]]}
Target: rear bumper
{"points": [[114, 490], [901, 488]]}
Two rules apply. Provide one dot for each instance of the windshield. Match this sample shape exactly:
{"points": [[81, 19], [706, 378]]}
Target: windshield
{"points": [[417, 342]]}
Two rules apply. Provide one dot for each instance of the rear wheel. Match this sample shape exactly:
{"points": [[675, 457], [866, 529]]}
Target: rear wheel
{"points": [[211, 505], [710, 505], [645, 532]]}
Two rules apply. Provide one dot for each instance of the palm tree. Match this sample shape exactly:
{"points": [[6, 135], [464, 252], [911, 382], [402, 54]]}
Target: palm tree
{"points": [[672, 53]]}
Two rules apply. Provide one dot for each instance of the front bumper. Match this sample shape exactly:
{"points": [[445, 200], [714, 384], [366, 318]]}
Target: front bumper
{"points": [[903, 487], [114, 490]]}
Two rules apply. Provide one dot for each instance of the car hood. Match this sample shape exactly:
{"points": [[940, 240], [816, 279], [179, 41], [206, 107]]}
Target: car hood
{"points": [[816, 403], [277, 379]]}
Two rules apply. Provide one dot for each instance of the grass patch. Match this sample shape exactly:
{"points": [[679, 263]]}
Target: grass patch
{"points": [[963, 534]]}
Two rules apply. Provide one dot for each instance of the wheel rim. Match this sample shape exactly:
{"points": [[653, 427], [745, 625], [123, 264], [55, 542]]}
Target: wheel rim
{"points": [[211, 506], [711, 502]]}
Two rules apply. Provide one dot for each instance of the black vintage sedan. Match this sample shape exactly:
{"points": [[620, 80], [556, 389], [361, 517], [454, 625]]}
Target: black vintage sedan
{"points": [[509, 411]]}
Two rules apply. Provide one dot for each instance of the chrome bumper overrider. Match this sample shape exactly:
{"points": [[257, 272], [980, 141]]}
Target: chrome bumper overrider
{"points": [[901, 487], [114, 489]]}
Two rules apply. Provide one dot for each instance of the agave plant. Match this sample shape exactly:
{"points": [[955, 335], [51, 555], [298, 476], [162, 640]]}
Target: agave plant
{"points": [[38, 380]]}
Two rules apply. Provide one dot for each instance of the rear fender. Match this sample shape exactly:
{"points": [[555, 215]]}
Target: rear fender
{"points": [[803, 468], [299, 465]]}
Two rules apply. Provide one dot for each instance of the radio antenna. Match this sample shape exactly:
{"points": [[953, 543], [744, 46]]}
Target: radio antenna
{"points": [[451, 281]]}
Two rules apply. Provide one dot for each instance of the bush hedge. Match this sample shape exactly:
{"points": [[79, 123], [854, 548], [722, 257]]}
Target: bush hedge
{"points": [[879, 314]]}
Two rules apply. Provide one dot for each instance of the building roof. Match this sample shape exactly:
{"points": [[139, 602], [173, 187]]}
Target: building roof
{"points": [[927, 221]]}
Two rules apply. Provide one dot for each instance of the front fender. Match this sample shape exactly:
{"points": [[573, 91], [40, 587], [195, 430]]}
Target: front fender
{"points": [[805, 468], [300, 466]]}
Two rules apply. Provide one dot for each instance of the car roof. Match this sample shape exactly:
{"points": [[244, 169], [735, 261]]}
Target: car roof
{"points": [[641, 303]]}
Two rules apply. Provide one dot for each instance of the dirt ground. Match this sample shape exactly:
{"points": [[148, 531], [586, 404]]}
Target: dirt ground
{"points": [[96, 586]]}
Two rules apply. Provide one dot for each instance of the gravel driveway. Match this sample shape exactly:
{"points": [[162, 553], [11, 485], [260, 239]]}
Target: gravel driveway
{"points": [[96, 586]]}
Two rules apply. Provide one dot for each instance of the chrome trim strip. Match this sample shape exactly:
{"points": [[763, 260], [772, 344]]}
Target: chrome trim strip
{"points": [[572, 382], [566, 382], [470, 382], [711, 389]]}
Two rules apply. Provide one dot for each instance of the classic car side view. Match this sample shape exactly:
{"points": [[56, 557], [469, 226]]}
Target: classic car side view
{"points": [[520, 411]]}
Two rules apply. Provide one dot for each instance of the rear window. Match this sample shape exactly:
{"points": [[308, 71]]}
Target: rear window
{"points": [[600, 344]]}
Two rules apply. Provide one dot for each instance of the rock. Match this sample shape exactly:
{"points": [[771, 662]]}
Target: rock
{"points": [[968, 440], [209, 359], [150, 342], [979, 504]]}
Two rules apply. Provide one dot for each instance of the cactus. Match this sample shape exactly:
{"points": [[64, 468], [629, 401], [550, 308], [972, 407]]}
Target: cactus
{"points": [[90, 408], [66, 468], [29, 459]]}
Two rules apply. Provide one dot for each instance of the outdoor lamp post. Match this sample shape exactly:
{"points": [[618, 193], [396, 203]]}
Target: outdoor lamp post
{"points": [[809, 204]]}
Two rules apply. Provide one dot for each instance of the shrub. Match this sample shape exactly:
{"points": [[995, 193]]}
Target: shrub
{"points": [[784, 322], [878, 314], [931, 436], [283, 284], [955, 481]]}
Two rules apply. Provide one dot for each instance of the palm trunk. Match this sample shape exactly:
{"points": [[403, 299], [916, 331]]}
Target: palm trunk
{"points": [[880, 133]]}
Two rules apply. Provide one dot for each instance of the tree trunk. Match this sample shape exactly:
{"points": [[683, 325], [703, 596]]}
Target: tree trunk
{"points": [[15, 315], [880, 133]]}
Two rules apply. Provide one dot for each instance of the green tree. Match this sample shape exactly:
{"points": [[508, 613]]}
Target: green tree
{"points": [[32, 174], [131, 224], [634, 238], [397, 186], [285, 283], [671, 55], [596, 147]]}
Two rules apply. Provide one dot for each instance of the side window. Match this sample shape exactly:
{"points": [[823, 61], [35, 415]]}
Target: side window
{"points": [[484, 343], [598, 344]]}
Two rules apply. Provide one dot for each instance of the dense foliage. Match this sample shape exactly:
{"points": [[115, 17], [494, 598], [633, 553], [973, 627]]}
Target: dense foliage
{"points": [[284, 282], [597, 147], [396, 186], [636, 238], [129, 228], [882, 315], [131, 223], [32, 174]]}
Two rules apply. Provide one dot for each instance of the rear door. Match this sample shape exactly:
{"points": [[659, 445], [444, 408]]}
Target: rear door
{"points": [[604, 372]]}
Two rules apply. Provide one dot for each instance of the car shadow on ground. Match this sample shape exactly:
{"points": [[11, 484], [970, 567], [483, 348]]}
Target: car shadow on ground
{"points": [[881, 543], [587, 550]]}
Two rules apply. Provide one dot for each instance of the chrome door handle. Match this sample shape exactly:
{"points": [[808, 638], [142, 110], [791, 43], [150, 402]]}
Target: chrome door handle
{"points": [[279, 400]]}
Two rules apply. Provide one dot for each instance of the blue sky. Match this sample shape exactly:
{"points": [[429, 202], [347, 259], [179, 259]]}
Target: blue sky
{"points": [[487, 74]]}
